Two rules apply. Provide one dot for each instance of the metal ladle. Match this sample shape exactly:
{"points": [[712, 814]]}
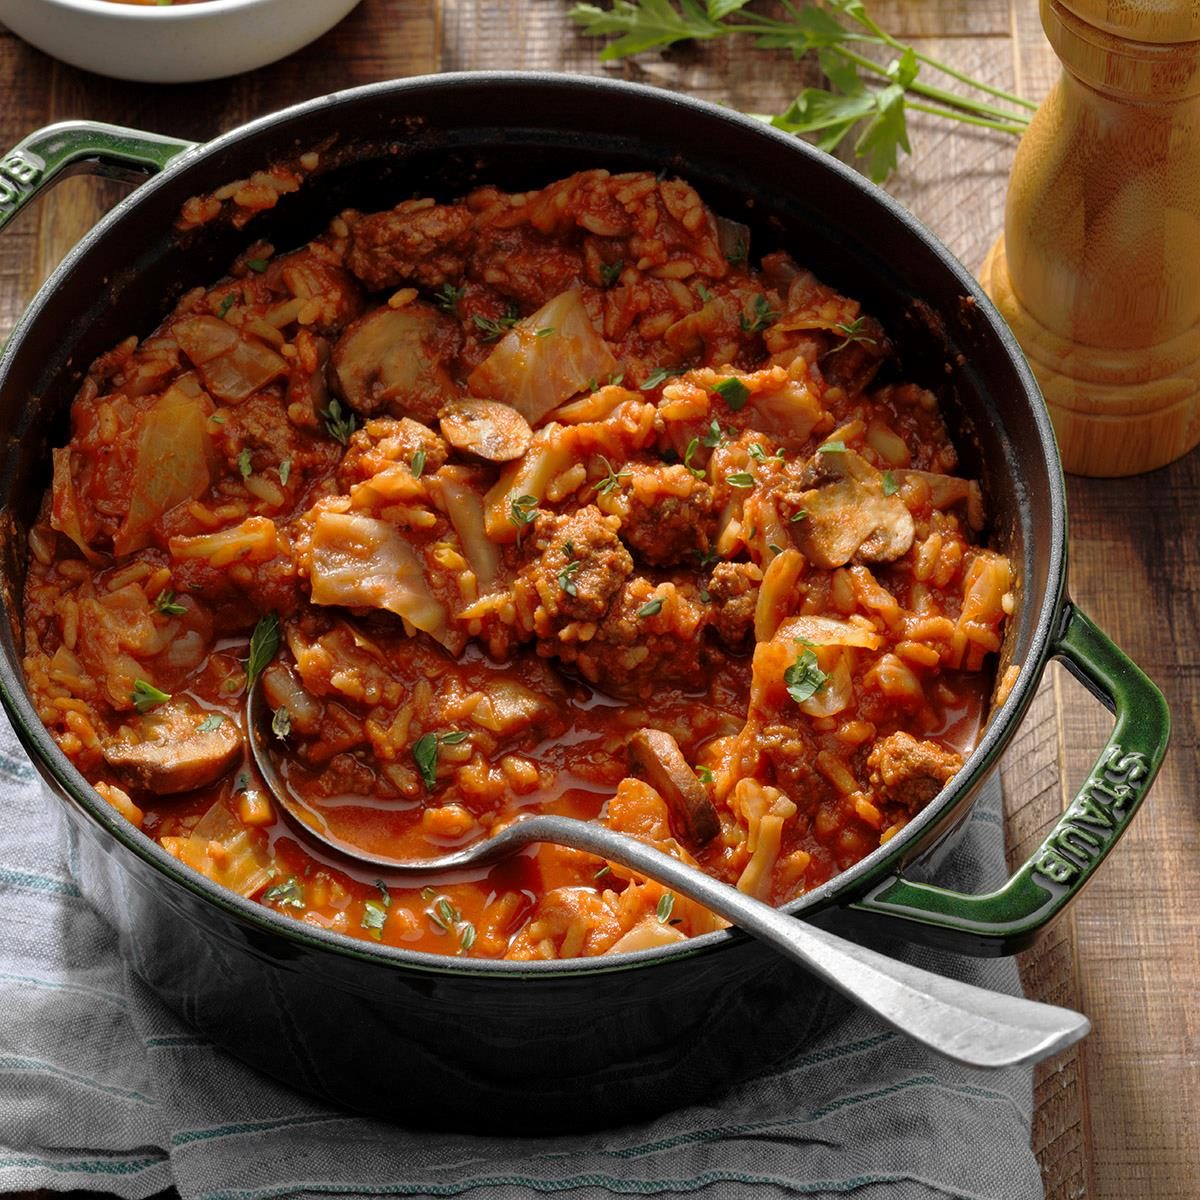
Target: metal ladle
{"points": [[965, 1023]]}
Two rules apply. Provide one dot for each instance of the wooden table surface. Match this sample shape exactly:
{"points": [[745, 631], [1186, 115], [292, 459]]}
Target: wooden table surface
{"points": [[1117, 1118]]}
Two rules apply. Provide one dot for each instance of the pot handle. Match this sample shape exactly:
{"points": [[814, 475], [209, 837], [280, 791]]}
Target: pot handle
{"points": [[1007, 920], [71, 147]]}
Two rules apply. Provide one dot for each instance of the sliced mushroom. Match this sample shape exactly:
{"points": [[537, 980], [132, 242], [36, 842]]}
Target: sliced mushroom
{"points": [[848, 516], [487, 429], [175, 748], [655, 757], [392, 360]]}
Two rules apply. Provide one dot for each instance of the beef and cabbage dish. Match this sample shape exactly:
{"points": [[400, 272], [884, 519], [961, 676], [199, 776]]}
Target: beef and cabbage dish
{"points": [[558, 501]]}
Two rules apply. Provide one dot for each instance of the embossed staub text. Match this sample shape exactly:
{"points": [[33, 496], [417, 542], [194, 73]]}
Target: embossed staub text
{"points": [[1094, 817], [20, 172]]}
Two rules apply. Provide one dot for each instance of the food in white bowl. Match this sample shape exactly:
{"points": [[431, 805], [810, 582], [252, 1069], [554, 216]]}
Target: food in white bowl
{"points": [[180, 42]]}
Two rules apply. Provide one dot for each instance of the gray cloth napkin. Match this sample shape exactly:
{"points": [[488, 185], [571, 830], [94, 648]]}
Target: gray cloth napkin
{"points": [[103, 1089]]}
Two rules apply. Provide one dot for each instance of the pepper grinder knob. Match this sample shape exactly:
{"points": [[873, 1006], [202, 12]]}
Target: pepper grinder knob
{"points": [[1098, 269]]}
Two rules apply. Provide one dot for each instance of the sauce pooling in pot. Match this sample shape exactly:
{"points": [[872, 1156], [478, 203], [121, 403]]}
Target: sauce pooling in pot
{"points": [[544, 501]]}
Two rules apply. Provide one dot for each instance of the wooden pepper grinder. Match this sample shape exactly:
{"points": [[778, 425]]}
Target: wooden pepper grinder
{"points": [[1098, 270]]}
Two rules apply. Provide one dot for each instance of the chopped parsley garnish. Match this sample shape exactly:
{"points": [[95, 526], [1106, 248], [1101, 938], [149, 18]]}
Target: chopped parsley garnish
{"points": [[217, 418], [281, 723], [288, 894], [211, 723], [566, 577], [448, 296], [852, 331], [385, 896], [651, 608], [615, 379], [704, 294], [425, 753], [146, 696], [761, 316], [775, 547], [706, 556], [611, 272], [804, 678], [569, 548], [523, 511], [417, 463], [799, 516], [692, 447], [339, 423], [546, 332], [740, 479], [666, 903], [285, 471], [166, 603], [466, 937], [225, 305], [496, 327], [373, 918], [241, 782], [734, 392], [713, 438], [658, 377], [704, 775], [245, 465], [739, 252], [612, 480], [890, 486], [257, 265], [832, 448], [444, 914], [264, 644], [604, 870]]}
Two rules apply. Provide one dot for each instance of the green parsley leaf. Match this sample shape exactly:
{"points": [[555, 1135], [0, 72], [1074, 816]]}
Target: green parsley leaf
{"points": [[890, 486], [658, 377], [146, 696], [211, 723], [166, 603], [444, 914], [466, 937], [257, 265], [832, 448], [713, 438], [651, 608], [566, 577], [385, 897], [692, 447], [734, 392], [549, 329], [264, 645], [740, 479], [612, 480], [739, 252], [289, 894], [494, 328], [374, 918], [244, 464], [285, 471], [225, 305], [799, 516], [417, 465], [425, 753], [604, 870], [611, 272], [522, 511], [704, 774], [615, 379], [448, 296], [339, 423], [762, 316], [281, 723], [852, 331], [666, 904], [804, 678], [775, 548], [704, 294]]}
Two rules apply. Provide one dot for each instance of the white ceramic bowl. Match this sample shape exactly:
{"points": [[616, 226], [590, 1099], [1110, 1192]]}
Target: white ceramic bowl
{"points": [[171, 43]]}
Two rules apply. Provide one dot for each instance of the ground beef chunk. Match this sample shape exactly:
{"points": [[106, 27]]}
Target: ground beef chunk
{"points": [[383, 441], [416, 242], [792, 756], [526, 268], [733, 592], [313, 275], [908, 772], [667, 515], [580, 568]]}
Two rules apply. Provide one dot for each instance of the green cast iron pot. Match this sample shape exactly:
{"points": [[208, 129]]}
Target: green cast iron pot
{"points": [[549, 1045]]}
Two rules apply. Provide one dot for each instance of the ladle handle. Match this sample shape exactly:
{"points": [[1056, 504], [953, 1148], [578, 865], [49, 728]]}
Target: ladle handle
{"points": [[965, 1023]]}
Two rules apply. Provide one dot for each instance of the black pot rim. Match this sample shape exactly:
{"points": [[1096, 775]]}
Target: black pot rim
{"points": [[63, 778]]}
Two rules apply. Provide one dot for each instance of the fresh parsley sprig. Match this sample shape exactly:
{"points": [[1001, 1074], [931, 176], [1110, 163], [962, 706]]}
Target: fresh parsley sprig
{"points": [[862, 92]]}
